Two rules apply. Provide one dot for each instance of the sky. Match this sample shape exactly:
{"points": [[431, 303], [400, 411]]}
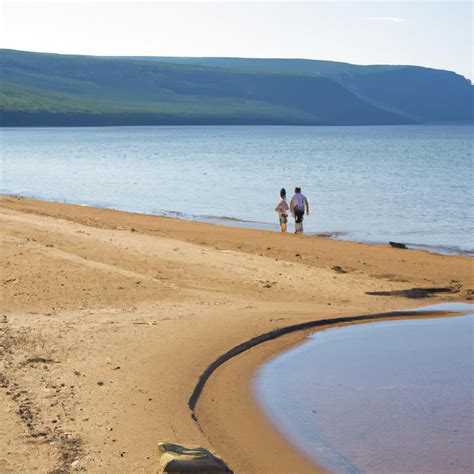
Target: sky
{"points": [[435, 34]]}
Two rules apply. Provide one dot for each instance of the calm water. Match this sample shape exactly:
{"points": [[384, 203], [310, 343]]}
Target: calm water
{"points": [[386, 397], [409, 184]]}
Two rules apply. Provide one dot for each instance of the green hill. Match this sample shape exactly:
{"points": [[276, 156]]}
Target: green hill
{"points": [[39, 89], [421, 94]]}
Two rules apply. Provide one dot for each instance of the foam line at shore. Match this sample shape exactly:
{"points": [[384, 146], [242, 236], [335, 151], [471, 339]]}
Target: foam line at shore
{"points": [[243, 223]]}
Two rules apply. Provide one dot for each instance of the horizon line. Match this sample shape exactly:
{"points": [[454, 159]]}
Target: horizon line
{"points": [[296, 58]]}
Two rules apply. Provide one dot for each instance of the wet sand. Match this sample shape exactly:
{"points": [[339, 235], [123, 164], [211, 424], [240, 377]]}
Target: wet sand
{"points": [[109, 318]]}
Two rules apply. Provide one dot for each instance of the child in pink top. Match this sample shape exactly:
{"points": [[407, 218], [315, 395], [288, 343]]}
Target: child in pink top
{"points": [[282, 210]]}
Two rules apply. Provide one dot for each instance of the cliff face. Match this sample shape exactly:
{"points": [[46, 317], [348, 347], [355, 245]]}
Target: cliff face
{"points": [[426, 95]]}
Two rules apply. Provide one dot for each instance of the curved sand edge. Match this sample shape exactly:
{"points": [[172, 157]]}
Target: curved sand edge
{"points": [[245, 437]]}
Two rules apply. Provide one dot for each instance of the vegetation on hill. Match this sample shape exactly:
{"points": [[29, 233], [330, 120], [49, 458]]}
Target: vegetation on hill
{"points": [[39, 89], [421, 94]]}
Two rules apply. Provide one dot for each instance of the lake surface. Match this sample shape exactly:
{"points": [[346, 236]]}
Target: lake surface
{"points": [[405, 183], [382, 397]]}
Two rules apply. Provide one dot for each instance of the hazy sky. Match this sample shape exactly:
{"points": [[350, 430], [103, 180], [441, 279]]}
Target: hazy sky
{"points": [[435, 34]]}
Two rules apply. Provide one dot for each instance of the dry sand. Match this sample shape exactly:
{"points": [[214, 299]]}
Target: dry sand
{"points": [[109, 318]]}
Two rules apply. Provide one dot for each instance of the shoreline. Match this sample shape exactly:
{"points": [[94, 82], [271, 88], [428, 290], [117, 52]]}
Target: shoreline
{"points": [[417, 124], [110, 319], [234, 222], [307, 327]]}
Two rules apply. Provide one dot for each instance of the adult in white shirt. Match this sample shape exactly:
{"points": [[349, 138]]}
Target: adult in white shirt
{"points": [[299, 206]]}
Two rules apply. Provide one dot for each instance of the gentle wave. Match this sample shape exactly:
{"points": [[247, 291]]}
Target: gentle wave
{"points": [[367, 184], [235, 222]]}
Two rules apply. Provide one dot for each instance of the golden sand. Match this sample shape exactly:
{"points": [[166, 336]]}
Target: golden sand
{"points": [[109, 318]]}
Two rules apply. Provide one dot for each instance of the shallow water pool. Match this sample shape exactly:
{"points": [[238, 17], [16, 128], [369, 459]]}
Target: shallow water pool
{"points": [[393, 396]]}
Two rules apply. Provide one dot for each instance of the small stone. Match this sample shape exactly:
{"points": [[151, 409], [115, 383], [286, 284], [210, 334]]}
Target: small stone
{"points": [[100, 383], [178, 458]]}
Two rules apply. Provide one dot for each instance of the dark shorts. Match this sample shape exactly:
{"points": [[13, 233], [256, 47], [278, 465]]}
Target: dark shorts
{"points": [[299, 214], [283, 218]]}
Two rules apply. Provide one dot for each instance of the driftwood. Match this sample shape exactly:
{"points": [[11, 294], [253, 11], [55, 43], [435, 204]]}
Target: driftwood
{"points": [[398, 245], [415, 292]]}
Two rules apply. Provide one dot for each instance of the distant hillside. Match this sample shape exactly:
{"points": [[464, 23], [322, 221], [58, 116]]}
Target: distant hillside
{"points": [[421, 94], [38, 89]]}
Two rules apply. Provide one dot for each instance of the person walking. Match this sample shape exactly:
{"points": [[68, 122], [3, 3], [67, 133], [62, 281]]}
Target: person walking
{"points": [[282, 210], [298, 206]]}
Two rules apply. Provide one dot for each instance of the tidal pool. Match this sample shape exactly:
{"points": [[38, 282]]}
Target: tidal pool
{"points": [[383, 397]]}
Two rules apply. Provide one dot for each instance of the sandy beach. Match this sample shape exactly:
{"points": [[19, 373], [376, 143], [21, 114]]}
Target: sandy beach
{"points": [[109, 318]]}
